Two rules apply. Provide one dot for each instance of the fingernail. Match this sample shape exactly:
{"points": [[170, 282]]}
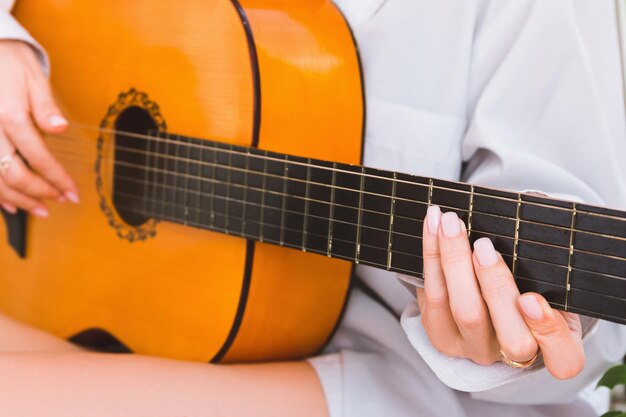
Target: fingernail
{"points": [[531, 307], [8, 207], [485, 252], [41, 212], [57, 121], [73, 197], [433, 215], [450, 224]]}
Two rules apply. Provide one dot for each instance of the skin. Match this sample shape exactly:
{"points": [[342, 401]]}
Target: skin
{"points": [[26, 105], [45, 376], [469, 309]]}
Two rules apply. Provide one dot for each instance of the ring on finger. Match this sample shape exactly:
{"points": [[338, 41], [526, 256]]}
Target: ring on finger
{"points": [[519, 365], [5, 162]]}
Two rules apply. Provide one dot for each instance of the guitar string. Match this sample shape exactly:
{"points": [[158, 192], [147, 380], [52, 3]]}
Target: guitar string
{"points": [[407, 218], [329, 168], [263, 207], [523, 203], [382, 266], [277, 193], [204, 163], [240, 233]]}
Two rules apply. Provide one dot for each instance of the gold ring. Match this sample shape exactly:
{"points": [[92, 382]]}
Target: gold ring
{"points": [[513, 364], [5, 161]]}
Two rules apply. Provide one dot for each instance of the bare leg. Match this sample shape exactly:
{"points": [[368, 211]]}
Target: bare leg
{"points": [[79, 384], [18, 337], [41, 375]]}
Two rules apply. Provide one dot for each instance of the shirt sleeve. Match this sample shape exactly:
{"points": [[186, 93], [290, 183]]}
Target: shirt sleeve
{"points": [[11, 29], [535, 122]]}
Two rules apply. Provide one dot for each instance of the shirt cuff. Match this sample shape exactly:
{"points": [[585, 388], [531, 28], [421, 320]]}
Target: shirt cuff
{"points": [[464, 374], [11, 29]]}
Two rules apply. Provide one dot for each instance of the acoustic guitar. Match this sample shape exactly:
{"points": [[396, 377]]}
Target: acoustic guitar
{"points": [[217, 148]]}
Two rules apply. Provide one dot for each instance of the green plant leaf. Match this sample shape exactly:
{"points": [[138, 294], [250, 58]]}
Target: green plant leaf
{"points": [[614, 414], [614, 376]]}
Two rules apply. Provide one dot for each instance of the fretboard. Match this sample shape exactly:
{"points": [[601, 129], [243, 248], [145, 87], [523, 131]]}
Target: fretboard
{"points": [[573, 254]]}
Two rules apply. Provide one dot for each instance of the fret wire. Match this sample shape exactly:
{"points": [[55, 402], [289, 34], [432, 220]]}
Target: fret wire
{"points": [[187, 185], [516, 241], [430, 192], [213, 182], [416, 220], [357, 253], [154, 173], [407, 254], [569, 259], [305, 223], [165, 169], [177, 169], [471, 212], [552, 226], [284, 201], [391, 216], [332, 212], [199, 188], [245, 192], [228, 185], [610, 276], [208, 143], [263, 193]]}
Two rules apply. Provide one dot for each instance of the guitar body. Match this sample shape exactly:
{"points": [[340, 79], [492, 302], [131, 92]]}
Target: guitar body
{"points": [[280, 75]]}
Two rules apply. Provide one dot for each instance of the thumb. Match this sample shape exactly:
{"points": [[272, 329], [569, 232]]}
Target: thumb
{"points": [[562, 349], [45, 110]]}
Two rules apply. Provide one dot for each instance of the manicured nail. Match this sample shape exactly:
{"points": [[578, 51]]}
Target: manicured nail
{"points": [[433, 215], [73, 197], [57, 121], [41, 212], [450, 224], [531, 307], [8, 207], [485, 252]]}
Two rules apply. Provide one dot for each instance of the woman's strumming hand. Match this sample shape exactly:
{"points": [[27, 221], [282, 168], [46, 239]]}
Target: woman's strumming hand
{"points": [[472, 308], [29, 173]]}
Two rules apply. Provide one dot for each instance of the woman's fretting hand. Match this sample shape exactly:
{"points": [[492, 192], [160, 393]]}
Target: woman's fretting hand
{"points": [[471, 307], [29, 173]]}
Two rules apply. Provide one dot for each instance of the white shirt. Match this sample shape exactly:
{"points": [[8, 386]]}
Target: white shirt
{"points": [[530, 94]]}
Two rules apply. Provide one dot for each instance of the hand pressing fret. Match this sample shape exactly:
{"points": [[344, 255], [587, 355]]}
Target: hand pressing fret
{"points": [[472, 308]]}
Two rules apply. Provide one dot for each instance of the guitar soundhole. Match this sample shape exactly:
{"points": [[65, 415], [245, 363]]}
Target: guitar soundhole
{"points": [[134, 127]]}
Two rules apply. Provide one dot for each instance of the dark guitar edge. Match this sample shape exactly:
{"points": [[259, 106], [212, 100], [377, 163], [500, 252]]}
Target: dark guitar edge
{"points": [[256, 128], [353, 278]]}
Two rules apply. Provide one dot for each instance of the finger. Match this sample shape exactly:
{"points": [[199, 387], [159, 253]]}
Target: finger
{"points": [[468, 307], [561, 346], [21, 131], [16, 199], [500, 293], [19, 177], [8, 207], [434, 302], [44, 108]]}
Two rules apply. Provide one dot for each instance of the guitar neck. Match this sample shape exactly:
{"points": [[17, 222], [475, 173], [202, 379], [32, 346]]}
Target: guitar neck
{"points": [[570, 253]]}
